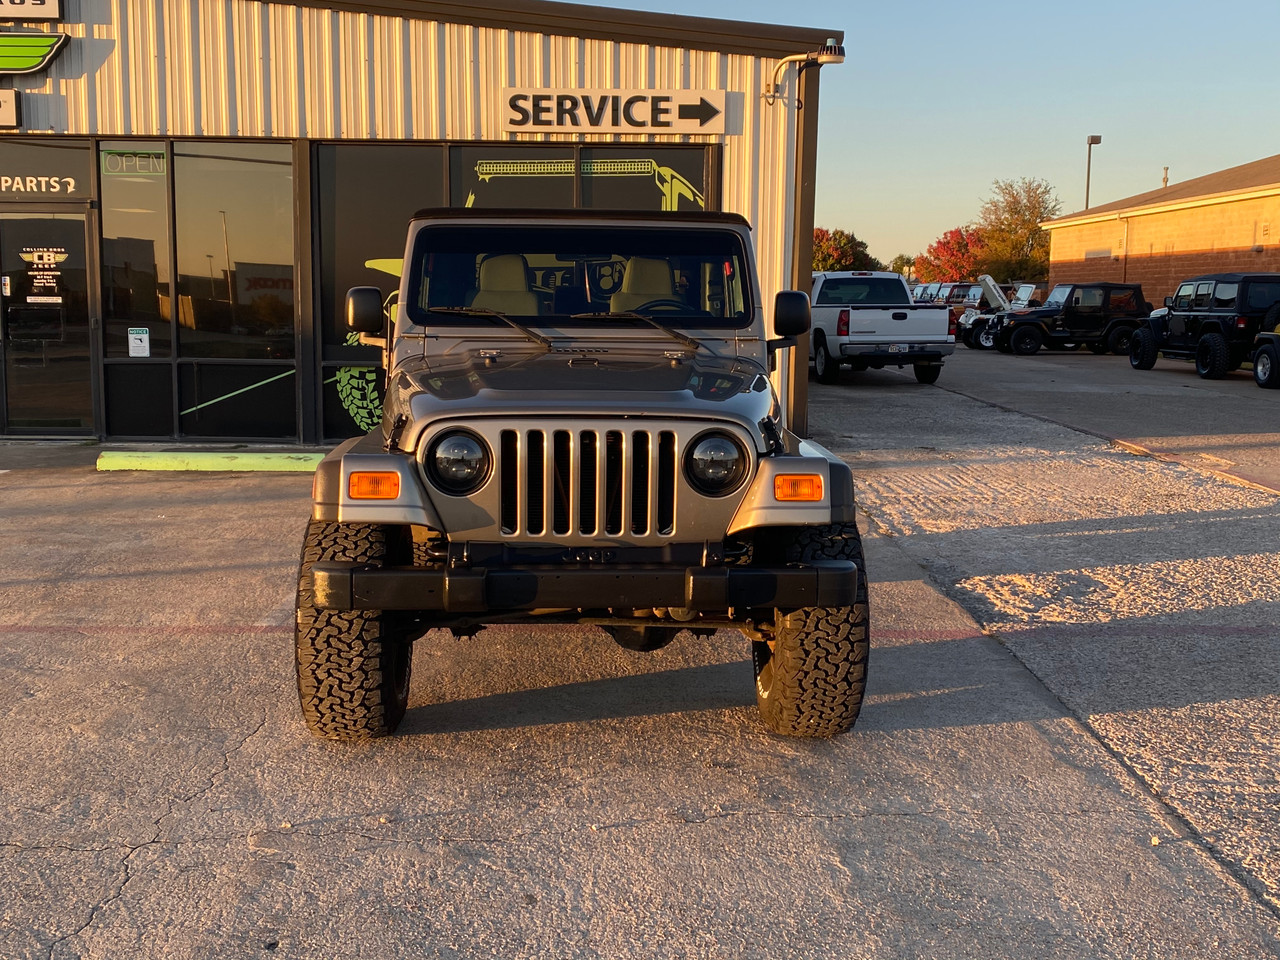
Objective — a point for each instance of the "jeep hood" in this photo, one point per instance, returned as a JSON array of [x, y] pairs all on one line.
[[579, 384]]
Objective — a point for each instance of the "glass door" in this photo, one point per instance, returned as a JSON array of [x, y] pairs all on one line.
[[46, 386]]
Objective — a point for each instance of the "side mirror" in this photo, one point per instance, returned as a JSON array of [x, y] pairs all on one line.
[[364, 310], [790, 313], [1168, 301]]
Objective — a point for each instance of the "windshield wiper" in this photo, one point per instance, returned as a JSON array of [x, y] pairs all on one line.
[[687, 340], [485, 312]]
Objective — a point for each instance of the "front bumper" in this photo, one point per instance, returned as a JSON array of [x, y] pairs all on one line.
[[475, 590]]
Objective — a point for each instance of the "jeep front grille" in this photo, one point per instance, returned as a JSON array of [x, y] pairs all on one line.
[[561, 482]]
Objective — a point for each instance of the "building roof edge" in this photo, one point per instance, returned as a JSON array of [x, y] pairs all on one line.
[[600, 23]]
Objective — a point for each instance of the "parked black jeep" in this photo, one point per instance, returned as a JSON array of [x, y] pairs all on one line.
[[1212, 320], [1101, 316], [1266, 360]]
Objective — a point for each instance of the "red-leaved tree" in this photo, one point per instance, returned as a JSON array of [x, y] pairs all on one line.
[[953, 256]]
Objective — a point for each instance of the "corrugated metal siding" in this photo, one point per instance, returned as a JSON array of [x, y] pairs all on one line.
[[242, 68]]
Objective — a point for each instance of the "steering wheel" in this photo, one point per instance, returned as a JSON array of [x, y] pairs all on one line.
[[664, 303]]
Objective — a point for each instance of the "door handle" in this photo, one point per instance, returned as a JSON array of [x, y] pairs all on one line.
[[899, 316]]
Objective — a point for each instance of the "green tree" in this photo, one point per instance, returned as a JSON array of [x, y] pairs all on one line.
[[837, 250], [905, 264], [1014, 246]]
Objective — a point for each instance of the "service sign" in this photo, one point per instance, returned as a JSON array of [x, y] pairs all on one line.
[[526, 110], [11, 10]]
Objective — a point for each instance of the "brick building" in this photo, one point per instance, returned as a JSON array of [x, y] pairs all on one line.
[[1225, 221]]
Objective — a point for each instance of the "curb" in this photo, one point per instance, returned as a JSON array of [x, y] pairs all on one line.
[[204, 461]]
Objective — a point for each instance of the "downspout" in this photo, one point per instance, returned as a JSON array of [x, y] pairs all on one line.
[[806, 172], [1124, 264]]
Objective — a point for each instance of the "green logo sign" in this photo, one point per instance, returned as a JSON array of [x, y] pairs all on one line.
[[29, 52]]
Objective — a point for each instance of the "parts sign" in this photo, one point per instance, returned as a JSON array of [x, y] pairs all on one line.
[[612, 111]]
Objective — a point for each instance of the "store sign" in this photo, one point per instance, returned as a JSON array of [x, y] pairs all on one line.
[[10, 114], [30, 9], [612, 111], [22, 53], [63, 186], [133, 163], [43, 272]]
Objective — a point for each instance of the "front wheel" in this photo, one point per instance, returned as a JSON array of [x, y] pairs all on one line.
[[1025, 341], [352, 665], [985, 338], [1213, 359], [1265, 372], [1142, 349], [812, 673], [927, 372], [825, 367]]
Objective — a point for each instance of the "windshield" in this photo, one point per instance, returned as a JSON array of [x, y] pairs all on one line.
[[1024, 294], [1058, 295], [581, 276], [862, 290]]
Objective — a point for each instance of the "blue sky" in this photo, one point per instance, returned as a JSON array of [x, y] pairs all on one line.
[[935, 100]]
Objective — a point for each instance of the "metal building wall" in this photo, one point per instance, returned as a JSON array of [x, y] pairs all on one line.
[[242, 68]]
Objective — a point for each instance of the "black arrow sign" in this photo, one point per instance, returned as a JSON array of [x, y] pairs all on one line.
[[702, 111]]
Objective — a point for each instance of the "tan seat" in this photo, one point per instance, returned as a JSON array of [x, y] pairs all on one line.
[[644, 280], [504, 286]]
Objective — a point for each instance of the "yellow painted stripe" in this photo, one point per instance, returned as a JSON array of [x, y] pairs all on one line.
[[202, 460]]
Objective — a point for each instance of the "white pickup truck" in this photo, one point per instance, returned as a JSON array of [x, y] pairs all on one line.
[[867, 319]]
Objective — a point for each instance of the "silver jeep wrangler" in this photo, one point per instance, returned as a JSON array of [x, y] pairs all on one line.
[[579, 427]]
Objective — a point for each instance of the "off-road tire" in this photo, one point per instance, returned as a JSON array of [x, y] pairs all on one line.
[[1024, 341], [352, 665], [811, 676], [825, 367], [1266, 373], [1271, 319], [1142, 349], [984, 338], [927, 372], [1118, 341], [1213, 359]]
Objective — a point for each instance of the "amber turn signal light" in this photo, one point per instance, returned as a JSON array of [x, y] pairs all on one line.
[[374, 486], [797, 486]]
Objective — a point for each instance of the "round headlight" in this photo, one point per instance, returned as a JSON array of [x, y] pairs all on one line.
[[716, 464], [458, 463]]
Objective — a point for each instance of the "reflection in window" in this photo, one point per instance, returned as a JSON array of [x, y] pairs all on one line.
[[363, 216], [234, 225], [1263, 294], [136, 292], [1224, 295], [1124, 300]]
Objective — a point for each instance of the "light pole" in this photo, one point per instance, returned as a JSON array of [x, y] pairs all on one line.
[[1088, 165]]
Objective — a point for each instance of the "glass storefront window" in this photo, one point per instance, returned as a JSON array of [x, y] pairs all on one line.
[[518, 176], [234, 221], [237, 400], [643, 177], [136, 252], [363, 217]]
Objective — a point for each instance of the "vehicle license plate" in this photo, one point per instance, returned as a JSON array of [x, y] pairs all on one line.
[[899, 347]]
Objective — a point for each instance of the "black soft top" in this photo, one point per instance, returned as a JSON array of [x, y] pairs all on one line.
[[631, 216], [1233, 277]]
